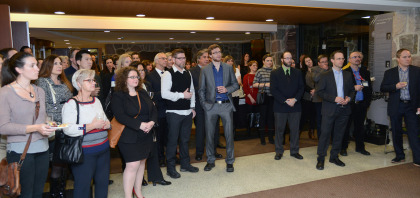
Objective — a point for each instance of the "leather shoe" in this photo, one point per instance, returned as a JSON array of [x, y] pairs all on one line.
[[363, 152], [173, 174], [337, 162], [162, 163], [198, 157], [343, 152], [229, 168], [209, 166], [278, 156], [220, 145], [162, 182], [190, 168], [218, 155], [297, 156], [144, 183], [398, 160], [320, 165]]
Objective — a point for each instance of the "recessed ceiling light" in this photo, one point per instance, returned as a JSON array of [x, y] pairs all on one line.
[[66, 40], [140, 15], [68, 43], [210, 18], [366, 17], [107, 31], [119, 38], [269, 20], [89, 50], [192, 32], [133, 42], [178, 42], [171, 38], [59, 12], [217, 39], [247, 32]]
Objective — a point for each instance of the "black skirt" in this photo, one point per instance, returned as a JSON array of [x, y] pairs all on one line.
[[140, 150]]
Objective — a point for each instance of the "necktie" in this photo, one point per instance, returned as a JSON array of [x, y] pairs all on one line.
[[287, 73], [161, 72]]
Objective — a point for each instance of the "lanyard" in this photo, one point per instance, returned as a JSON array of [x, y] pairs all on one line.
[[360, 77]]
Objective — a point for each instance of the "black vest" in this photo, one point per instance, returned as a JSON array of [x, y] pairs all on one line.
[[180, 82]]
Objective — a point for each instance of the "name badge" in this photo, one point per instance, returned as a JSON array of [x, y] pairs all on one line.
[[365, 83]]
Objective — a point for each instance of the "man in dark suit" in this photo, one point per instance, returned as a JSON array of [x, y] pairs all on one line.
[[336, 89], [217, 83], [403, 85], [314, 78], [154, 77], [360, 104], [287, 90]]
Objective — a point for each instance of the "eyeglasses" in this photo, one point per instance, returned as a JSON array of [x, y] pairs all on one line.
[[181, 58], [134, 77], [354, 57], [90, 80]]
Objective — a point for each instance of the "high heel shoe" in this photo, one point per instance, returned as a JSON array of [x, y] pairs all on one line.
[[162, 182], [144, 183], [134, 194]]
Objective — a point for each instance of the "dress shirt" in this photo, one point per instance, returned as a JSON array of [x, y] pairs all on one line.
[[160, 72], [166, 85], [338, 75], [286, 70], [358, 78], [405, 93], [218, 80]]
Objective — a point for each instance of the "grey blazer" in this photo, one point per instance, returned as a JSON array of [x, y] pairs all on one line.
[[207, 86]]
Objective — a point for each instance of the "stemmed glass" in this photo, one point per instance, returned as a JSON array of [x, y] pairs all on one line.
[[151, 94]]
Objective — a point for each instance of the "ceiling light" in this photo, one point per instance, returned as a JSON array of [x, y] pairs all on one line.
[[210, 18], [217, 39], [192, 32], [59, 12], [68, 43], [178, 42], [107, 31], [66, 40], [133, 42], [269, 20], [140, 15], [171, 38], [119, 38], [366, 17], [247, 32]]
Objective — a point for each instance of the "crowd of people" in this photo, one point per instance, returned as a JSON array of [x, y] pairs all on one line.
[[158, 101]]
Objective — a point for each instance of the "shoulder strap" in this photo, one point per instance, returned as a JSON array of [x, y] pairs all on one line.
[[28, 142], [138, 99], [77, 108]]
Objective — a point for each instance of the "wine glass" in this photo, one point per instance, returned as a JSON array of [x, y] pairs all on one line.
[[151, 94]]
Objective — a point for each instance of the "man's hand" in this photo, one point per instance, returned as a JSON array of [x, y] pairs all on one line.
[[358, 87], [187, 94], [194, 113], [401, 85], [221, 89], [291, 102], [339, 100], [312, 92]]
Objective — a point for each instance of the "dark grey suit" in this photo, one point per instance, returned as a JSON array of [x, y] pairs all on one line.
[[207, 95]]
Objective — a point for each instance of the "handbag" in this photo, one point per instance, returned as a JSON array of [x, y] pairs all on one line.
[[71, 150], [117, 128], [10, 173], [261, 96]]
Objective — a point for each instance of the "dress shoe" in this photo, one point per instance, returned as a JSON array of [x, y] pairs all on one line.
[[363, 152], [190, 168], [337, 162], [173, 174], [278, 156], [297, 156], [416, 164], [398, 159], [218, 155], [162, 182], [209, 166], [343, 152], [320, 165], [144, 183], [110, 182], [229, 168], [162, 163], [220, 145], [198, 157]]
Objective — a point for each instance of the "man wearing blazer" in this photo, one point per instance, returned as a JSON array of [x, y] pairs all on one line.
[[154, 77], [360, 104], [403, 85], [336, 89], [287, 89], [217, 83]]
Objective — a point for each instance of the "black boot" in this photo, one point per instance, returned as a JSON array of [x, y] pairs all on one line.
[[55, 191], [262, 136]]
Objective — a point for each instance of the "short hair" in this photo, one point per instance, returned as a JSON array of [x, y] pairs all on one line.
[[201, 52], [266, 56], [252, 62], [135, 53], [321, 56], [121, 77], [175, 52], [361, 54], [72, 50], [282, 55], [212, 47], [332, 56], [157, 57], [22, 49], [398, 54], [80, 53], [5, 52], [81, 75], [121, 60]]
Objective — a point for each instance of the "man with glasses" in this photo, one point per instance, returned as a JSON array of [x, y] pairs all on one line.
[[316, 75], [154, 77], [360, 104], [336, 89], [178, 90], [217, 83], [83, 59], [403, 85]]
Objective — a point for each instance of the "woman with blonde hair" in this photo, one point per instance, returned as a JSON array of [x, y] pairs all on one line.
[[123, 61]]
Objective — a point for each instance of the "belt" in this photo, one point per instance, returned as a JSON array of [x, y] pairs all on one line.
[[405, 101], [221, 102]]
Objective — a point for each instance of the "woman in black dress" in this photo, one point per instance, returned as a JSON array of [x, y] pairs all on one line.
[[133, 108]]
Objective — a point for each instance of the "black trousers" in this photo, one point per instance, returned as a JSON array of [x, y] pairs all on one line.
[[358, 116], [308, 114], [179, 127], [162, 137], [267, 114], [153, 169], [318, 108]]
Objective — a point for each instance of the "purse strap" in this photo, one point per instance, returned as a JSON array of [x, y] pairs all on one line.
[[138, 99], [77, 109], [28, 142]]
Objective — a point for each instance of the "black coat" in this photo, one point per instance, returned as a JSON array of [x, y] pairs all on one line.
[[154, 79], [367, 91], [195, 73], [283, 88]]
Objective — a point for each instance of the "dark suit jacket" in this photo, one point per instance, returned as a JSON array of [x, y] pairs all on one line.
[[154, 79], [122, 107], [195, 73], [207, 86], [367, 91], [327, 90], [391, 78], [281, 88]]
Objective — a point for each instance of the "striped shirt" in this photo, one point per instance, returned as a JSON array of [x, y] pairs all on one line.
[[263, 76], [404, 93]]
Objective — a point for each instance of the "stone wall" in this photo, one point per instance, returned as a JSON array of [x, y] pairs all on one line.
[[283, 40], [406, 32]]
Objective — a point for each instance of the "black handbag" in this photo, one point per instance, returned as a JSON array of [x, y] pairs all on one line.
[[70, 150], [261, 95]]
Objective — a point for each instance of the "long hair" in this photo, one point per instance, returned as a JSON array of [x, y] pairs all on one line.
[[121, 79], [8, 71], [47, 67], [304, 66], [229, 57], [243, 59]]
